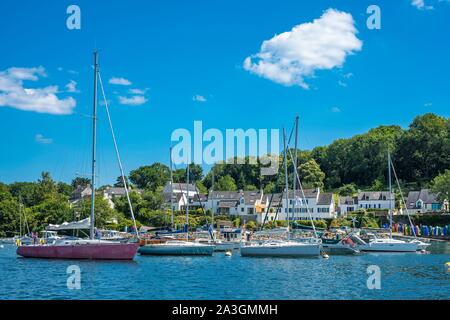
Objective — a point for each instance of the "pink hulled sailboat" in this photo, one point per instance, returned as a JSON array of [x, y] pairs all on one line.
[[88, 248]]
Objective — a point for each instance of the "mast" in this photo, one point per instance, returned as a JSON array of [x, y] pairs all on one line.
[[390, 193], [286, 179], [171, 189], [187, 202], [94, 144], [212, 201], [294, 185]]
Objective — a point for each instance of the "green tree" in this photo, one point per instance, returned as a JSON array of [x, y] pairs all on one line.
[[226, 183], [441, 185], [347, 190], [311, 175], [80, 182], [150, 177], [119, 182]]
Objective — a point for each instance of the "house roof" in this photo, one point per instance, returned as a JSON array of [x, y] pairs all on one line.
[[375, 195], [250, 197], [325, 198], [425, 195], [348, 200], [227, 204], [181, 186]]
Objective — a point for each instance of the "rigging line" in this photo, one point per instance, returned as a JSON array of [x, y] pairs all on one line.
[[403, 199], [273, 194], [279, 173], [118, 155], [304, 198]]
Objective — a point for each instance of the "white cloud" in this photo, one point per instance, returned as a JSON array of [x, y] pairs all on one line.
[[120, 81], [428, 104], [420, 4], [133, 101], [198, 98], [44, 100], [138, 91], [335, 109], [72, 86], [39, 138], [290, 57]]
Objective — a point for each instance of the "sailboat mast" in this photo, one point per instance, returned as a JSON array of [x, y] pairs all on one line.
[[94, 145], [390, 193], [171, 190], [286, 179], [187, 201], [294, 184]]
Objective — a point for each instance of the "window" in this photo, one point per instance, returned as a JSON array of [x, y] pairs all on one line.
[[242, 209]]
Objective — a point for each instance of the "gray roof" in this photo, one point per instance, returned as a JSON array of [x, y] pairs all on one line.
[[249, 196], [325, 198], [348, 200], [425, 195], [181, 186], [309, 193], [375, 195], [227, 204]]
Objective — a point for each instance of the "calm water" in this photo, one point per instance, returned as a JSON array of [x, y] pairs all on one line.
[[404, 276]]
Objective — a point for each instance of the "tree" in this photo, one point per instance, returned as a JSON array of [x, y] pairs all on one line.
[[226, 183], [310, 175], [119, 182], [441, 186], [80, 182], [347, 190], [150, 177]]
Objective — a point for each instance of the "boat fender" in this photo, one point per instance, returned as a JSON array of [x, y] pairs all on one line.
[[18, 242], [41, 241]]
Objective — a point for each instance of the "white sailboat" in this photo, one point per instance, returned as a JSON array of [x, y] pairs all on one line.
[[178, 247], [378, 244], [283, 248]]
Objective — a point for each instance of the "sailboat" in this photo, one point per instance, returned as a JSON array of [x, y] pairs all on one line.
[[283, 248], [389, 244], [178, 247], [87, 248]]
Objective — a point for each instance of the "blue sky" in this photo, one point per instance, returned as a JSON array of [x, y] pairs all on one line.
[[172, 51]]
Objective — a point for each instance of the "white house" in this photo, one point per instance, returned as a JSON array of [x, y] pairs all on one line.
[[240, 202], [347, 204], [424, 201], [318, 205], [180, 188], [376, 200], [111, 193]]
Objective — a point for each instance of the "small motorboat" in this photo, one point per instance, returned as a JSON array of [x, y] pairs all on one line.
[[177, 247]]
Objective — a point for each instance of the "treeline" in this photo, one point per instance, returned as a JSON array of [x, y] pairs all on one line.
[[421, 155]]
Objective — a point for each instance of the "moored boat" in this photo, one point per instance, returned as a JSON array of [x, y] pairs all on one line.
[[275, 248], [176, 247]]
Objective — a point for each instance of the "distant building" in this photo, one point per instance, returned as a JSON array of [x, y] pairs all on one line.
[[347, 204], [111, 193], [180, 188], [424, 201], [80, 192], [314, 204], [376, 200], [242, 203]]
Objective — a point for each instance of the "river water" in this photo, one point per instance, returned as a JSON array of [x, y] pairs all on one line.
[[402, 276]]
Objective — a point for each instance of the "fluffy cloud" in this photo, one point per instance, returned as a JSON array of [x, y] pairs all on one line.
[[138, 91], [132, 101], [335, 109], [72, 86], [198, 98], [292, 56], [44, 100], [420, 4], [39, 138], [120, 81]]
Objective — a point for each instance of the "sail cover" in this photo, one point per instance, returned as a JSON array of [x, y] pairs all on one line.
[[74, 225]]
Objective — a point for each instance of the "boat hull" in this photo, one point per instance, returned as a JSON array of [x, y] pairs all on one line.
[[339, 249], [306, 250], [162, 249], [386, 247], [109, 251]]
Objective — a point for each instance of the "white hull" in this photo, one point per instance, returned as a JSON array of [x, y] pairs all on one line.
[[389, 247], [177, 248], [281, 249]]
